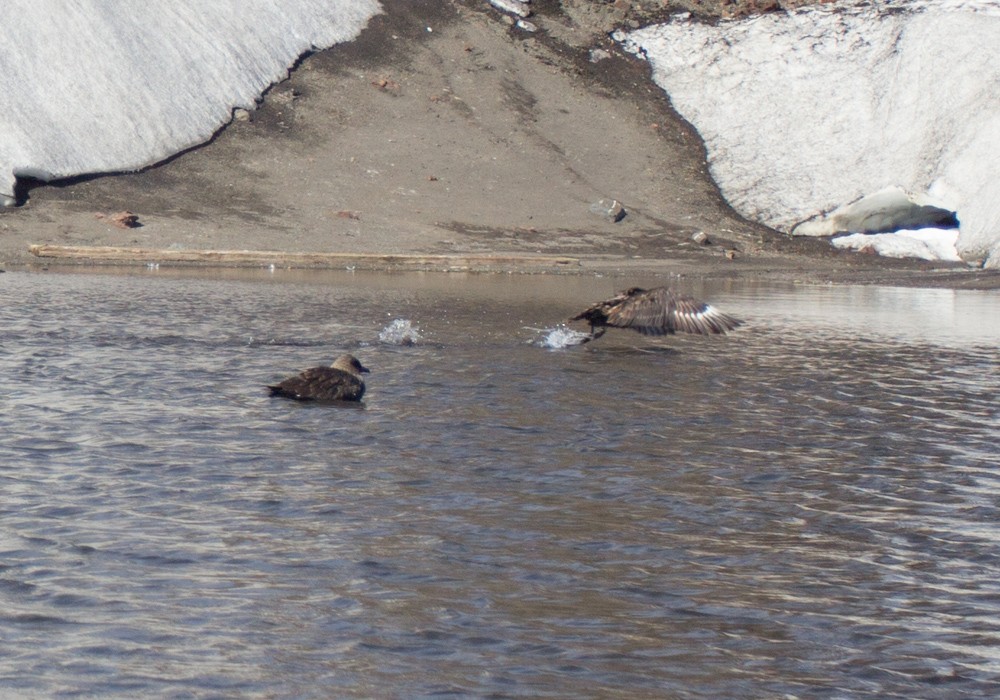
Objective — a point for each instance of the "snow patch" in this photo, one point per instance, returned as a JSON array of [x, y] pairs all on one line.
[[891, 209], [517, 7], [806, 111], [924, 244], [110, 85]]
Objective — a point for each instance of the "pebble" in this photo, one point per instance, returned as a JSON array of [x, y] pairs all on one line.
[[610, 209]]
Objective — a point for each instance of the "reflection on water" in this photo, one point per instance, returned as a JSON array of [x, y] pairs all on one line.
[[804, 508]]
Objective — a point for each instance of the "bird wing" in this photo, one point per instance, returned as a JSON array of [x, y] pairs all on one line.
[[695, 316], [649, 312], [321, 384], [597, 314], [660, 311]]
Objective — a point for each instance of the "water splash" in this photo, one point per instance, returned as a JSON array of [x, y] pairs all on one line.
[[400, 332], [560, 337]]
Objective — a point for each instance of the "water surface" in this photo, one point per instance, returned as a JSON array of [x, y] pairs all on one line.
[[805, 508]]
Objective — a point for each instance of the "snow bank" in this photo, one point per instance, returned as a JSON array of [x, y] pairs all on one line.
[[924, 244], [806, 111], [108, 85], [890, 209]]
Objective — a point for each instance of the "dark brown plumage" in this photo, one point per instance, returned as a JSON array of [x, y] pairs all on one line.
[[339, 382], [658, 311]]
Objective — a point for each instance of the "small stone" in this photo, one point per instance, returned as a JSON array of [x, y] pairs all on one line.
[[610, 209], [701, 238], [517, 7], [125, 219], [387, 84]]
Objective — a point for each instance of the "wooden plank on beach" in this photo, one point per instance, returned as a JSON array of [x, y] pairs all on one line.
[[265, 258]]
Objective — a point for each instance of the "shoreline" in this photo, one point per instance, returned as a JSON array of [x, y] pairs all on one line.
[[621, 267], [444, 131]]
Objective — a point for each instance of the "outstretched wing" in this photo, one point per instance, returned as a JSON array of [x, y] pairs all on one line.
[[695, 316], [648, 312], [660, 311]]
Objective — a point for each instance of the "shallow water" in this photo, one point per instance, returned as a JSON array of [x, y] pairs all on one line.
[[805, 508]]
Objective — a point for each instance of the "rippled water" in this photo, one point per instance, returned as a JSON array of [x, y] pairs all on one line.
[[809, 507]]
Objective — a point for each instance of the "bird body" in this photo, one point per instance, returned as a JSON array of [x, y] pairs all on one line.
[[339, 382], [657, 311]]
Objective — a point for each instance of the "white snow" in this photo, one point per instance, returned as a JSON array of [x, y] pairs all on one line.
[[517, 7], [807, 111], [110, 85], [925, 243]]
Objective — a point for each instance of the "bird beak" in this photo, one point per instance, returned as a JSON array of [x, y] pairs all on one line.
[[365, 370]]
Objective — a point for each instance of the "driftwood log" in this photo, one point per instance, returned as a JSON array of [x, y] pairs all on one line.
[[266, 258]]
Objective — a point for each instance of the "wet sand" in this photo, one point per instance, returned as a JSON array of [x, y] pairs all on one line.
[[443, 130]]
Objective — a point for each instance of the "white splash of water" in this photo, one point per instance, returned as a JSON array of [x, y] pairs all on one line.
[[400, 332], [560, 337]]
